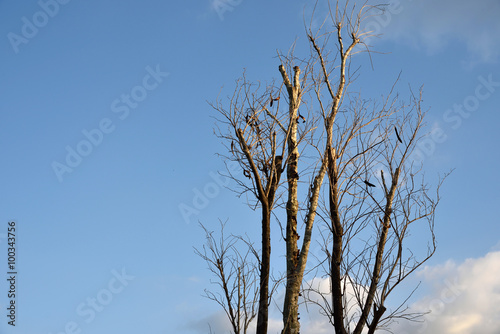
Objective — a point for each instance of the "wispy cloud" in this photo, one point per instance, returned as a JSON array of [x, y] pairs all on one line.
[[212, 323], [465, 298], [433, 25]]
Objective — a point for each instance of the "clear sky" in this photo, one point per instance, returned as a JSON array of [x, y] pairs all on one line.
[[105, 133]]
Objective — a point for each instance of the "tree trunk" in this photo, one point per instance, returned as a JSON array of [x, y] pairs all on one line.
[[336, 256], [377, 267], [262, 317], [291, 323]]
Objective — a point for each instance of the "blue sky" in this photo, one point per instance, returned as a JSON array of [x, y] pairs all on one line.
[[135, 77]]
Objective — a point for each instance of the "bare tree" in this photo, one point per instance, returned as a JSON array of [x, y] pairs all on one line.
[[327, 130], [236, 276], [369, 213], [263, 140], [253, 142], [360, 144]]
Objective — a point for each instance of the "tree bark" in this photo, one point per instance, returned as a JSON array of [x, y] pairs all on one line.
[[263, 314], [291, 323], [336, 255]]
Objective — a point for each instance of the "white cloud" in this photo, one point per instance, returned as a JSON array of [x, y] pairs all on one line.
[[465, 298], [462, 298], [433, 25]]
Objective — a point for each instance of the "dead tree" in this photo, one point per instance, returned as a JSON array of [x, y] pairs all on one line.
[[361, 144], [319, 78], [296, 257], [367, 227], [348, 139], [257, 137], [236, 276]]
